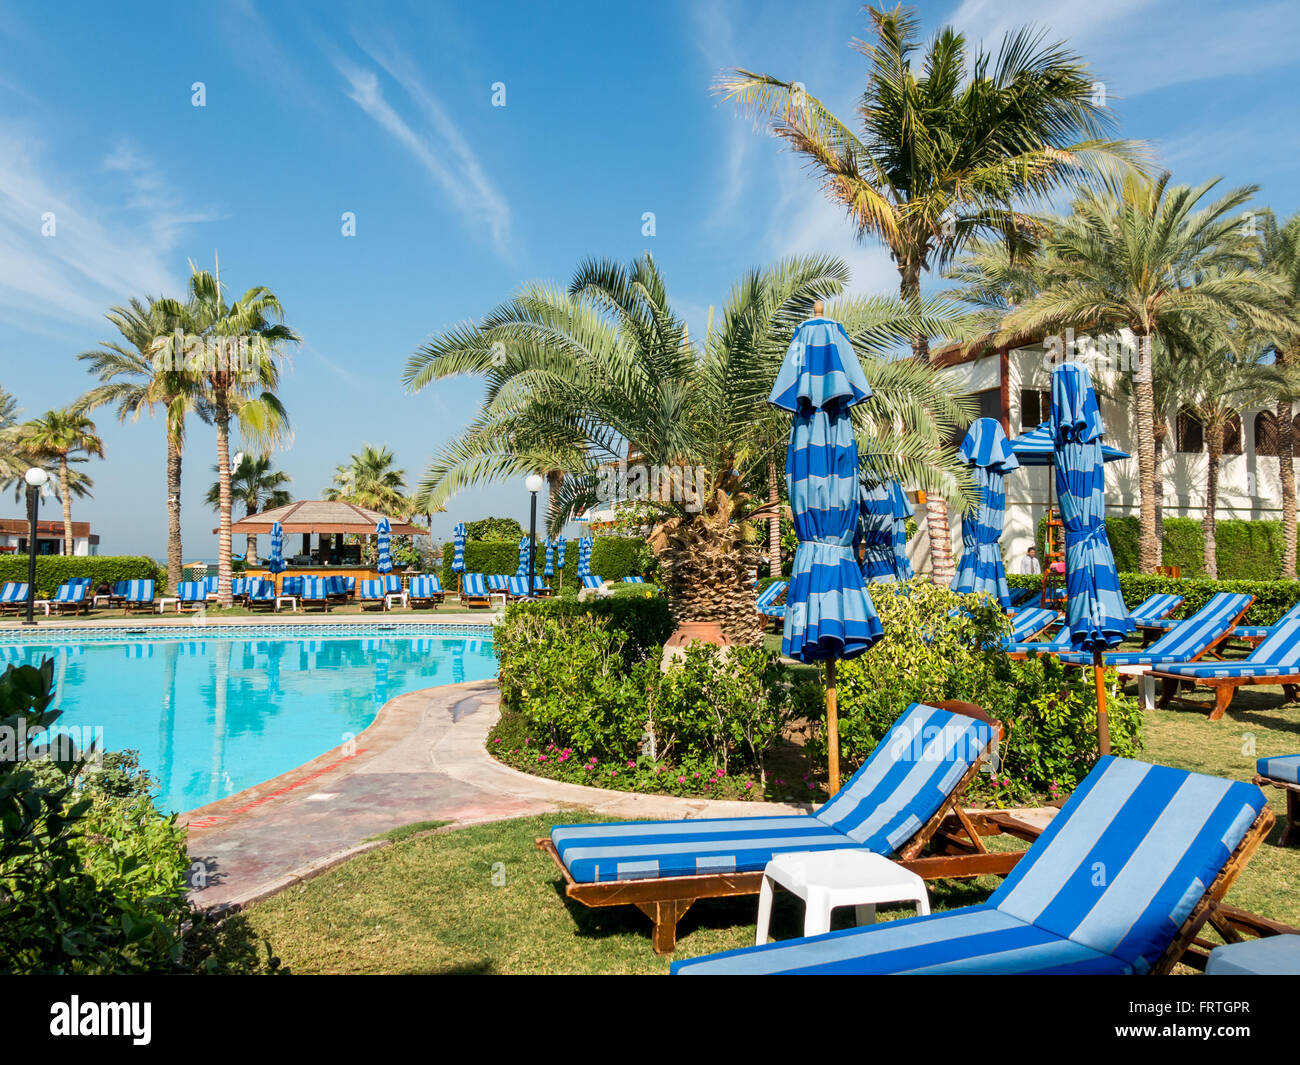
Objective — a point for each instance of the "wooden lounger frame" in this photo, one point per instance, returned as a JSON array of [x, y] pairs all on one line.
[[955, 837], [1292, 829], [1224, 687]]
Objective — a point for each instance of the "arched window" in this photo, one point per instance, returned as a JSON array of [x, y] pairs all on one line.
[[1189, 434], [1232, 436], [1266, 433]]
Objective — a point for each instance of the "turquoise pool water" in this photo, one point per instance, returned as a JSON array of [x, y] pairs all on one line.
[[211, 717]]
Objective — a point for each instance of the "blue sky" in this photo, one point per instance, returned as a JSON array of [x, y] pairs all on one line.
[[385, 110]]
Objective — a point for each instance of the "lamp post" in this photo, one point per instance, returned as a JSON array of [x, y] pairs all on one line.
[[36, 479], [534, 485]]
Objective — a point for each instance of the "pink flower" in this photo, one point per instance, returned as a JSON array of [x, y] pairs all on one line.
[[696, 775], [681, 780], [541, 758], [613, 772], [497, 740], [631, 764], [748, 784]]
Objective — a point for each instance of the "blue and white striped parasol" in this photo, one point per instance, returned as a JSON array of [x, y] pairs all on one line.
[[384, 532], [987, 451]]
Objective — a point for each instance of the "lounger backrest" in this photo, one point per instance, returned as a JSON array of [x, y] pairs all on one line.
[[189, 591], [211, 584], [592, 581], [291, 586], [1155, 607], [517, 585], [473, 584], [370, 589], [771, 594], [85, 582], [424, 587], [138, 591], [73, 591], [260, 588], [634, 580], [433, 584], [350, 584], [1026, 623], [335, 586], [1281, 647], [119, 587], [913, 769], [314, 588], [498, 582], [13, 592], [1129, 856], [1192, 636], [392, 583]]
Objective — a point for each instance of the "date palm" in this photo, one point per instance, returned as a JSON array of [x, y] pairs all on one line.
[[587, 378], [1161, 261], [370, 480], [134, 383], [257, 487], [12, 464], [59, 437], [234, 352], [1280, 254]]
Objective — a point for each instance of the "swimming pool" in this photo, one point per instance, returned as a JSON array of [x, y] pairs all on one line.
[[213, 716]]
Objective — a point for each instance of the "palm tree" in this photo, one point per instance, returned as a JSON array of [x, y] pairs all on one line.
[[255, 485], [12, 461], [369, 480], [134, 382], [946, 154], [1280, 254], [1214, 384], [581, 379], [1158, 261], [234, 351], [54, 437]]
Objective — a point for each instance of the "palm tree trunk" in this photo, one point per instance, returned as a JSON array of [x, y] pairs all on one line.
[[1161, 432], [174, 553], [67, 504], [1210, 549], [1148, 542], [774, 522], [222, 419], [250, 552], [1286, 474]]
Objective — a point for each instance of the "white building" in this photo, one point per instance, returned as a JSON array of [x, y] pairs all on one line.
[[49, 537], [1012, 385]]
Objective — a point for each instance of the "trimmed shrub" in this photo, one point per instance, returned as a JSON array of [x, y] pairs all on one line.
[[646, 623], [494, 529], [53, 570], [616, 557]]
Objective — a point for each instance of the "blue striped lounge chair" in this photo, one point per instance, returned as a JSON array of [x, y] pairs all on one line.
[[1283, 772], [893, 805], [260, 593], [517, 588], [1028, 623], [1275, 661], [1022, 597], [291, 586], [1170, 844], [239, 589], [336, 588], [767, 603], [315, 592], [13, 596], [210, 586], [634, 580], [138, 594], [592, 581], [474, 590], [370, 593], [540, 587], [1254, 635], [498, 582], [350, 586], [1019, 650], [426, 591], [117, 594], [1187, 641], [191, 595], [73, 596]]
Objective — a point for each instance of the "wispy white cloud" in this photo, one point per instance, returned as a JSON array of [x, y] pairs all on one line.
[[432, 138]]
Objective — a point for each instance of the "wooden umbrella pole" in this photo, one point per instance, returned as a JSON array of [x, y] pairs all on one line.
[[832, 729], [1103, 725]]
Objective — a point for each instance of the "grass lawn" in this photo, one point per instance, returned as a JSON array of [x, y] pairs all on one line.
[[483, 899]]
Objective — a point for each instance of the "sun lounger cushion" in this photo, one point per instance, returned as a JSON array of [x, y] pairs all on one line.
[[1155, 607], [911, 772], [1186, 640], [138, 591], [1026, 623], [473, 586], [191, 591], [261, 589], [517, 586], [315, 588], [1060, 642], [1286, 767], [592, 581], [634, 580], [1105, 888], [1277, 656], [13, 592], [370, 591], [768, 597], [425, 587]]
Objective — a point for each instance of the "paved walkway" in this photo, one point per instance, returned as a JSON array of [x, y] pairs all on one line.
[[423, 759]]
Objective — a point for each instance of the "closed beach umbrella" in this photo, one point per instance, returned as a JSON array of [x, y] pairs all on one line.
[[1095, 610], [829, 614], [987, 451], [522, 570], [276, 564], [584, 557], [559, 552], [383, 530], [458, 548], [885, 511], [549, 569]]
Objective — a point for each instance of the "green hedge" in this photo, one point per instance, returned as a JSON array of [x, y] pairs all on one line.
[[1272, 598], [612, 557], [53, 570], [1247, 550], [647, 622]]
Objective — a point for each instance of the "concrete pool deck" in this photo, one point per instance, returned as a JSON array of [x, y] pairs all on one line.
[[423, 759]]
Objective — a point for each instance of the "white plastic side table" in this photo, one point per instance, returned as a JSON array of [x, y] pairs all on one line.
[[394, 597], [827, 880], [292, 600], [163, 603]]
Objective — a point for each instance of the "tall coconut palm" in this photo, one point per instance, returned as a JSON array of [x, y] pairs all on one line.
[[12, 463], [134, 382], [946, 153], [370, 480], [584, 376], [234, 351], [1215, 383], [1158, 260], [59, 436], [257, 487], [1280, 254]]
